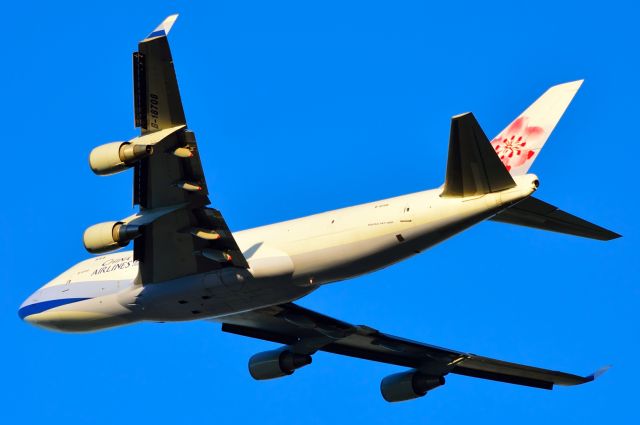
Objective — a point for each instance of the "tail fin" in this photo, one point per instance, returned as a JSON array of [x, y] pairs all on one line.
[[518, 145], [535, 213], [473, 168]]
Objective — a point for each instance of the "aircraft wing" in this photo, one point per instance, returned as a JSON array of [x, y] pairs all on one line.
[[306, 332], [180, 236]]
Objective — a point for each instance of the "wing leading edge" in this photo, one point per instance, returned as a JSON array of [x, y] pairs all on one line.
[[306, 332]]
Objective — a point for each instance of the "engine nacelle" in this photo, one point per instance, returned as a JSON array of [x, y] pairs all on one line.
[[109, 236], [408, 385], [114, 157], [276, 363]]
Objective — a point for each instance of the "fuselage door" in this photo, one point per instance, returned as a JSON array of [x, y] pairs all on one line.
[[406, 215]]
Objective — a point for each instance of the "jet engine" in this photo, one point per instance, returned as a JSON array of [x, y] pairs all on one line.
[[408, 385], [109, 236], [276, 363], [112, 158]]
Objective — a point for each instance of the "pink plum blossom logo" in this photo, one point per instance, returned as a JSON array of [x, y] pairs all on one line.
[[515, 145]]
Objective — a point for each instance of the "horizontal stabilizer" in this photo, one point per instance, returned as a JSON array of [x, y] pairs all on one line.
[[535, 213], [473, 167]]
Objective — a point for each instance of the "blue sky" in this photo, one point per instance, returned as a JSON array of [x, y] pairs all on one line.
[[305, 108]]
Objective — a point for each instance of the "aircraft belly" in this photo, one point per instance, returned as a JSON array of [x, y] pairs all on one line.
[[215, 294]]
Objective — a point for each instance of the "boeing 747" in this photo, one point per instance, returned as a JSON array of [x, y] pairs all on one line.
[[186, 264]]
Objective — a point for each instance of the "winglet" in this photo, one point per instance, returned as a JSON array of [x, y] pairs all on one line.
[[598, 373], [163, 29]]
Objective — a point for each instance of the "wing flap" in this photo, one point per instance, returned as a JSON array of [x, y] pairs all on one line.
[[169, 249]]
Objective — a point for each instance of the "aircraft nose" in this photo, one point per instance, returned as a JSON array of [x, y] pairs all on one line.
[[26, 309], [35, 313], [34, 310], [42, 310], [29, 319]]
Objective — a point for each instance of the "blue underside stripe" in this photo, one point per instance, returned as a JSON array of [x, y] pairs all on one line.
[[46, 305]]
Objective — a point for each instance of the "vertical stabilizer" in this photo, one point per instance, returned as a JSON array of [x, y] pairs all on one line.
[[473, 168], [518, 145]]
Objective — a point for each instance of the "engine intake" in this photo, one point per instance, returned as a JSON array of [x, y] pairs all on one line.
[[112, 158], [109, 236], [408, 385], [276, 363]]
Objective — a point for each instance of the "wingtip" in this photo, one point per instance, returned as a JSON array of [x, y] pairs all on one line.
[[598, 373], [165, 26], [169, 21], [614, 235], [608, 235]]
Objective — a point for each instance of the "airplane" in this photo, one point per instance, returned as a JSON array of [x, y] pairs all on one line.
[[186, 264]]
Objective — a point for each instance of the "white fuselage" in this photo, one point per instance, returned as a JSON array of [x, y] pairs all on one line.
[[287, 261]]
